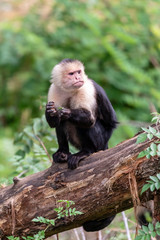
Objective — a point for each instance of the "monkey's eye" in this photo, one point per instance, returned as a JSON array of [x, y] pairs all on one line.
[[71, 73], [79, 71]]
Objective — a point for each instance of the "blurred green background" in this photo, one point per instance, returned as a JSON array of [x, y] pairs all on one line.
[[117, 40]]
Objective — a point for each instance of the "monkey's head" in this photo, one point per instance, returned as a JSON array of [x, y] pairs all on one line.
[[69, 75]]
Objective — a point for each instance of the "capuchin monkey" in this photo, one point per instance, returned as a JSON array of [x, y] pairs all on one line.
[[80, 111]]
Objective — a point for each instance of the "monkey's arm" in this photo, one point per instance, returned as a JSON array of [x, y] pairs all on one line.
[[80, 117]]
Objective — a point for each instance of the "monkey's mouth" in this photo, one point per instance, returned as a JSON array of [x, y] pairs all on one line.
[[78, 84]]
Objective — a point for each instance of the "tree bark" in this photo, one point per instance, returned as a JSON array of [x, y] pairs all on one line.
[[104, 184]]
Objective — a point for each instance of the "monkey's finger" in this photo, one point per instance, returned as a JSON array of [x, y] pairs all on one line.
[[50, 107], [51, 102], [51, 111]]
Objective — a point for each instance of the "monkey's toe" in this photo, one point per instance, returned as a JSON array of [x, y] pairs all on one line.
[[73, 162]]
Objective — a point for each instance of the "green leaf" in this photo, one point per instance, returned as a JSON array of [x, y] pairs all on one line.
[[145, 188], [145, 130], [152, 188], [157, 135], [153, 153], [154, 119], [78, 213], [157, 185], [142, 154], [153, 234], [158, 232], [20, 153], [139, 237], [157, 225], [154, 178], [148, 237], [141, 232], [149, 136], [158, 175], [141, 138], [148, 156], [150, 181], [151, 227], [145, 229], [40, 235], [153, 147], [152, 130]]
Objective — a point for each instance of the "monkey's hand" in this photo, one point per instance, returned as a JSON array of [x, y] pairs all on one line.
[[51, 109], [64, 113]]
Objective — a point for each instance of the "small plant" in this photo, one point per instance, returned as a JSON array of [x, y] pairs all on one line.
[[66, 211], [152, 184], [62, 212], [147, 232], [150, 231], [150, 132]]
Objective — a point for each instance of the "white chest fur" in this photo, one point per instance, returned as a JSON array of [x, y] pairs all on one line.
[[84, 97]]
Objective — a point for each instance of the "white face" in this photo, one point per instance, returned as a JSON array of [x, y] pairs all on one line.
[[73, 79]]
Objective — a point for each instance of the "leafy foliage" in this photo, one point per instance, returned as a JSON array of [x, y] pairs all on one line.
[[118, 41], [62, 212], [152, 184], [150, 132], [147, 232], [32, 155]]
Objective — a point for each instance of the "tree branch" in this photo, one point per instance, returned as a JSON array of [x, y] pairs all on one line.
[[100, 187]]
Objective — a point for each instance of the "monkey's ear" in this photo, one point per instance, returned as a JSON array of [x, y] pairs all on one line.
[[57, 74]]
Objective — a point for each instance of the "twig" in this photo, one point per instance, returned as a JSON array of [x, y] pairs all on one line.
[[17, 178], [99, 235], [126, 225], [42, 144], [57, 235], [76, 233], [83, 234]]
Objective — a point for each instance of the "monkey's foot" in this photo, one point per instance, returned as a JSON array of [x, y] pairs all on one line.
[[74, 159], [60, 157]]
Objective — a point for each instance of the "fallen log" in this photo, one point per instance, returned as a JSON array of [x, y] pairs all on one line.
[[101, 186]]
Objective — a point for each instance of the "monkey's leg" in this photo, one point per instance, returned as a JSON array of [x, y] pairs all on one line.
[[62, 153]]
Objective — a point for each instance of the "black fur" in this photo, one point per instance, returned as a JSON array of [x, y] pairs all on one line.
[[97, 224]]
